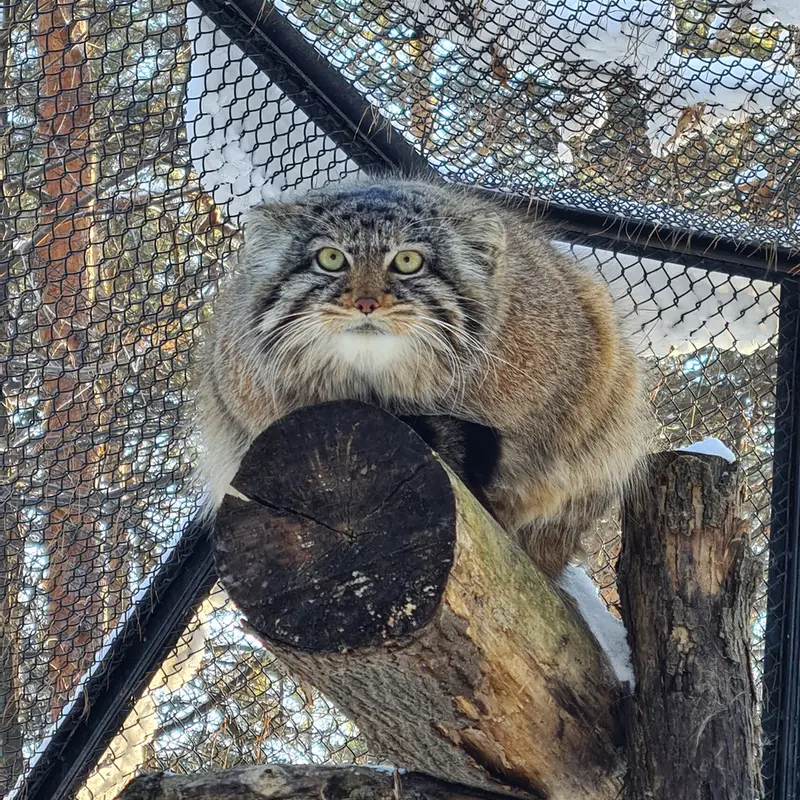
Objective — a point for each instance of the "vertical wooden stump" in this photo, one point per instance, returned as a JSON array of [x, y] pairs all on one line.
[[686, 581]]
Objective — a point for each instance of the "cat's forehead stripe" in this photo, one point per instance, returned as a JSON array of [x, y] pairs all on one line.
[[384, 202]]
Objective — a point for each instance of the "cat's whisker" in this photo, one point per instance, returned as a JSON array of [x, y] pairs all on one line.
[[457, 373], [471, 341], [298, 339], [283, 317], [471, 344], [276, 333], [290, 334], [251, 336], [281, 337]]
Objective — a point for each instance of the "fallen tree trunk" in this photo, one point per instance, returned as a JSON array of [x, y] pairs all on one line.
[[281, 782], [686, 581], [370, 571]]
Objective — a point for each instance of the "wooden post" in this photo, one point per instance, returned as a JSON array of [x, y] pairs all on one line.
[[370, 571], [281, 782], [686, 581]]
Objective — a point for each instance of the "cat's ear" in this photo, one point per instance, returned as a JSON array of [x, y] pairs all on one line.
[[269, 230], [270, 221], [269, 212], [487, 232]]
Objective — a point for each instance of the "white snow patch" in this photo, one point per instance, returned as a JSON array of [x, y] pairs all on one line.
[[727, 87], [246, 139], [727, 83], [669, 309], [385, 768], [786, 12], [710, 447], [606, 628], [564, 153], [634, 33], [751, 176]]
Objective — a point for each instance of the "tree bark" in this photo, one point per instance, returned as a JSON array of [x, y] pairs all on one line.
[[370, 571], [11, 544], [66, 260], [686, 581], [278, 782]]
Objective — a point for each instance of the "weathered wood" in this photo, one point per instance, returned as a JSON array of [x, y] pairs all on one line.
[[281, 782], [371, 572], [686, 580]]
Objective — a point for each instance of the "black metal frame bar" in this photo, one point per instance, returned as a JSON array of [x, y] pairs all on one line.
[[147, 638], [341, 112], [781, 715]]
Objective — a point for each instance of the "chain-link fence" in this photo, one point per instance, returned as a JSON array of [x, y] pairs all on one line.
[[135, 132]]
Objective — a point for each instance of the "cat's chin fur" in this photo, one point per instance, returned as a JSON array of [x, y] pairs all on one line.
[[369, 352]]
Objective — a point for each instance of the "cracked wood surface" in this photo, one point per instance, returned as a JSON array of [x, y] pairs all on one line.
[[371, 572], [283, 782], [686, 581]]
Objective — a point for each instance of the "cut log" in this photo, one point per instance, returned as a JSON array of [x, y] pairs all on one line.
[[368, 569], [686, 581], [281, 782]]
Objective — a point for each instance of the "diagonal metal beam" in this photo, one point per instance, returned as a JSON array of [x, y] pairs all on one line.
[[148, 634]]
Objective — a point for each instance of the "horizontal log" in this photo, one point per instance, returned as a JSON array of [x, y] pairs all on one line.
[[686, 582], [366, 566], [283, 782]]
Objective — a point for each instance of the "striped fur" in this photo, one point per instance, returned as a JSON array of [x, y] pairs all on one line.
[[497, 330]]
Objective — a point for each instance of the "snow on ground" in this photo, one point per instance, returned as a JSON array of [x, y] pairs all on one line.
[[607, 629]]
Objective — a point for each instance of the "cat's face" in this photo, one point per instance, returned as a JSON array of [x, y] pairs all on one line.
[[373, 279]]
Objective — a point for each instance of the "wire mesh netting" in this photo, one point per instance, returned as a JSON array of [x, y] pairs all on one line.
[[682, 112], [134, 133]]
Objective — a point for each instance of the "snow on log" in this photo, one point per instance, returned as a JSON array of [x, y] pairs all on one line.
[[366, 566], [686, 581]]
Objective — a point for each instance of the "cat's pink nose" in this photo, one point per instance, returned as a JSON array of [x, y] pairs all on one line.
[[366, 304]]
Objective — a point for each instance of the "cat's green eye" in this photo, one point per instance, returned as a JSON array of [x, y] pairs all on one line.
[[331, 259], [407, 262]]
